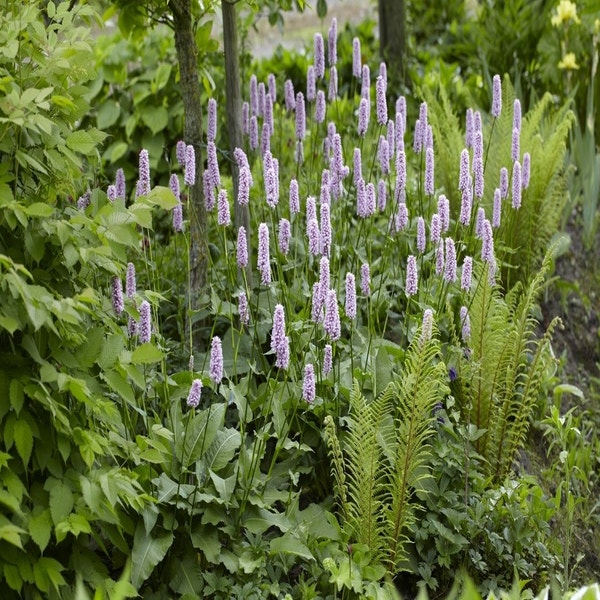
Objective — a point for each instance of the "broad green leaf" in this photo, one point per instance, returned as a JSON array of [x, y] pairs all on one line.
[[108, 114], [35, 245], [47, 571], [161, 77], [38, 209], [223, 448], [40, 528], [200, 432], [163, 197], [146, 354], [23, 440], [155, 118], [12, 577], [147, 552], [16, 395], [74, 524], [61, 501], [258, 520], [10, 533], [187, 578], [82, 142], [112, 347], [288, 544], [118, 151]]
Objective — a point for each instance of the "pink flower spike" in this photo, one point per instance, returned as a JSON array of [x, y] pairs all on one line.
[[467, 273], [294, 197], [412, 282], [216, 361], [497, 210], [350, 296], [189, 176], [264, 261], [242, 248], [284, 236], [326, 234], [443, 208], [526, 170], [311, 84], [332, 91], [117, 296], [363, 117], [314, 237], [193, 399], [381, 102], [253, 95], [320, 107], [280, 343], [496, 96], [327, 360], [450, 256], [290, 96], [356, 58], [487, 245], [145, 325], [439, 257], [300, 117], [331, 322], [365, 279], [211, 129], [180, 152], [243, 311], [130, 282], [516, 185], [308, 385], [421, 239], [503, 185], [319, 56], [435, 228], [429, 181]]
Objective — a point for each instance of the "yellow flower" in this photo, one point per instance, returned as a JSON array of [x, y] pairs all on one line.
[[565, 11], [568, 62]]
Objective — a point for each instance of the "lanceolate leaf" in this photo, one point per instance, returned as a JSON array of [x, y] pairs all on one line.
[[147, 552]]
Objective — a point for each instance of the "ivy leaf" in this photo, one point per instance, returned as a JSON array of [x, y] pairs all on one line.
[[147, 553]]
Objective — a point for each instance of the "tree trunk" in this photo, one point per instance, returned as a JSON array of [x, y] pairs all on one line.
[[392, 40], [185, 46], [233, 105]]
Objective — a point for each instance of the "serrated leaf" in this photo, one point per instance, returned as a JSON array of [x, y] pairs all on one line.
[[23, 440], [38, 209], [147, 552], [61, 501], [146, 354], [9, 532], [40, 528], [82, 142]]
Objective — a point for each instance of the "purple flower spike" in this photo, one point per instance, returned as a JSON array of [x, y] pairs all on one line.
[[180, 152], [174, 186], [325, 237], [371, 204], [526, 170], [381, 195], [178, 217], [450, 266], [350, 296], [463, 179], [365, 279], [331, 322], [391, 138], [443, 208], [357, 163], [427, 326], [435, 228], [479, 219], [268, 121], [253, 132], [130, 283], [332, 91], [120, 184], [143, 184], [401, 168], [327, 360], [421, 238], [465, 324], [401, 217], [487, 245], [497, 211], [418, 138], [332, 43], [318, 303], [356, 58], [503, 185], [478, 173], [467, 273], [290, 96], [242, 248], [294, 197], [469, 128], [383, 155], [311, 84], [412, 282], [216, 361], [284, 236], [516, 144], [300, 117], [516, 185], [465, 207], [244, 184], [145, 327], [272, 87], [314, 237], [320, 107], [189, 176], [209, 192], [132, 328], [224, 216], [363, 117], [280, 343], [263, 260], [193, 399], [361, 199], [117, 296], [429, 162], [243, 309], [211, 129], [308, 385], [381, 102], [365, 84], [311, 209], [496, 96], [319, 56], [517, 114], [261, 99], [111, 193], [245, 118], [253, 95], [212, 164], [439, 257]]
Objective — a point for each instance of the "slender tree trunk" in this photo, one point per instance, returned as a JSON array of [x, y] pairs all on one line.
[[185, 46], [392, 40], [233, 104]]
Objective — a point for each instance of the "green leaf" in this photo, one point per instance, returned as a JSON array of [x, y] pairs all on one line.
[[23, 440], [61, 501], [82, 142], [40, 528], [288, 544], [108, 114], [200, 433], [146, 354], [48, 571], [147, 552], [38, 209], [222, 450], [16, 395], [161, 77], [321, 9], [10, 533], [155, 118], [163, 197], [118, 150]]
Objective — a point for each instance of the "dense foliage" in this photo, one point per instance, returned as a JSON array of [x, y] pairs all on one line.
[[355, 421]]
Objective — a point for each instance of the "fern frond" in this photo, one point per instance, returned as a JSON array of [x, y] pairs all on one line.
[[337, 466], [421, 386]]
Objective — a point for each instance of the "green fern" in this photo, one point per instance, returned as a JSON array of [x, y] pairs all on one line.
[[383, 455]]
